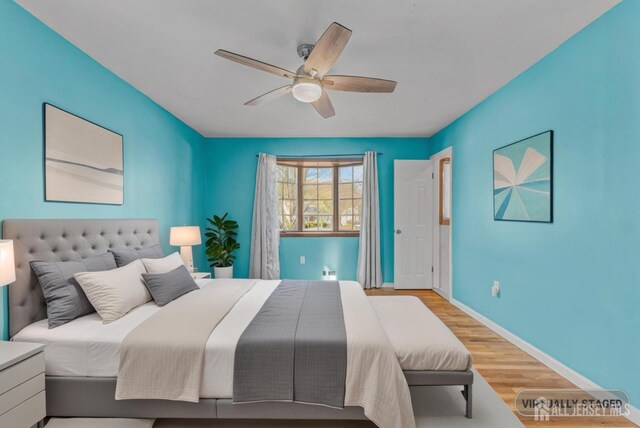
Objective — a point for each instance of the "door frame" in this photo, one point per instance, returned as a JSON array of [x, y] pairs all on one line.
[[435, 158]]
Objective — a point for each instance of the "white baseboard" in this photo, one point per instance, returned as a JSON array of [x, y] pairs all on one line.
[[387, 285], [441, 293], [555, 365]]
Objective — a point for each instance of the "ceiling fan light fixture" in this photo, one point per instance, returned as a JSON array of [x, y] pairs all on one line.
[[307, 90]]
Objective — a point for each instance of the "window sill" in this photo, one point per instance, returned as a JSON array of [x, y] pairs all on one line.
[[319, 234]]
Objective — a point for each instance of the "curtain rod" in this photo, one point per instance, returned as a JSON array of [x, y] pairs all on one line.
[[322, 156]]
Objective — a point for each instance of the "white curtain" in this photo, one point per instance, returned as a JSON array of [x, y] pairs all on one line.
[[369, 263], [265, 233]]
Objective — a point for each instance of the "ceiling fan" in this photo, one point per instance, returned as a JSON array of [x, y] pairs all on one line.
[[311, 79]]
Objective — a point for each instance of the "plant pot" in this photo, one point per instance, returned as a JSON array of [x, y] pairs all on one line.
[[223, 272]]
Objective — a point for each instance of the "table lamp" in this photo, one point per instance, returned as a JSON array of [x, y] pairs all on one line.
[[7, 263], [184, 237]]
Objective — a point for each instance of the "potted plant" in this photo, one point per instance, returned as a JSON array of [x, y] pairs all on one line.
[[220, 245]]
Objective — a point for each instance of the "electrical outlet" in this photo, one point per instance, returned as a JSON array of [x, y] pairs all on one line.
[[303, 260], [495, 290]]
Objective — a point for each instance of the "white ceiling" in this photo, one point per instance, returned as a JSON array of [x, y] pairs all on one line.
[[447, 55]]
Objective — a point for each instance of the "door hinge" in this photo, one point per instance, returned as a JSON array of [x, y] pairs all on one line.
[[431, 269], [433, 175]]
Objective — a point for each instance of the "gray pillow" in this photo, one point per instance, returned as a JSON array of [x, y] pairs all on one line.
[[65, 299], [165, 287], [124, 256]]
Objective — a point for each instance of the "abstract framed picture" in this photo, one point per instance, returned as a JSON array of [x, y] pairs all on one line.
[[523, 180], [83, 162]]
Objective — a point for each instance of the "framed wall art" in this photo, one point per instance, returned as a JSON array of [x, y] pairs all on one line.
[[83, 161], [523, 180]]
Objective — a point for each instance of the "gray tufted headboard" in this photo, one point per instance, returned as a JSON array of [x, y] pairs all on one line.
[[62, 240]]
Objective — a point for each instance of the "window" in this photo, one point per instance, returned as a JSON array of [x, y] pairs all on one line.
[[317, 199], [322, 197], [445, 191], [350, 192], [288, 195]]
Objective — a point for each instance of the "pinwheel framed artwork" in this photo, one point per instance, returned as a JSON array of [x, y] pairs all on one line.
[[523, 180]]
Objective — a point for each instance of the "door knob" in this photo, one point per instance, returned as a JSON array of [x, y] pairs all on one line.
[[398, 231]]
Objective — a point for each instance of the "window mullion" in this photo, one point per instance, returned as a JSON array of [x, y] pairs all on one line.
[[335, 199], [300, 199]]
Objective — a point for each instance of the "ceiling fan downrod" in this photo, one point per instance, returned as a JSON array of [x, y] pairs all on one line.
[[304, 51]]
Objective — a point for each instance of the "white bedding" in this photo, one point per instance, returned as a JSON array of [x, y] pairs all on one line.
[[427, 344], [87, 347]]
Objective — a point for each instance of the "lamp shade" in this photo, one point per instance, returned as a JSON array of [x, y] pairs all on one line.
[[7, 263], [185, 235]]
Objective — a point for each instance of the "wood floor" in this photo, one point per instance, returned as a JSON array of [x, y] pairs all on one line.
[[504, 366]]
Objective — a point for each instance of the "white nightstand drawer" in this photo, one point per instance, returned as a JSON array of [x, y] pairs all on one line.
[[21, 393], [21, 372], [26, 414]]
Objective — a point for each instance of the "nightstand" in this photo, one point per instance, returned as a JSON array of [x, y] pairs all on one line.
[[200, 275], [22, 396]]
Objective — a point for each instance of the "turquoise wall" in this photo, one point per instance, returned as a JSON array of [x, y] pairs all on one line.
[[570, 288], [230, 180], [159, 151]]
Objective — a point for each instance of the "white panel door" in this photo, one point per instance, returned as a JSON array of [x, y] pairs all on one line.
[[413, 224]]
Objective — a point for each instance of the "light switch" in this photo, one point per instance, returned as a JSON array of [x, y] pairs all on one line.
[[495, 290]]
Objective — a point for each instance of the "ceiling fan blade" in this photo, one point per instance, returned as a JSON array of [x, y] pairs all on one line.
[[269, 96], [323, 106], [358, 84], [327, 50], [254, 63]]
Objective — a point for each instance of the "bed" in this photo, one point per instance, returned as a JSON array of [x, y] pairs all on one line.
[[82, 356]]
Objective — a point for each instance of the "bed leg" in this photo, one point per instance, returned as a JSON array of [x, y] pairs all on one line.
[[467, 393]]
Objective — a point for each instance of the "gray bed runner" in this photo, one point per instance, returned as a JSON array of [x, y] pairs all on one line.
[[295, 349]]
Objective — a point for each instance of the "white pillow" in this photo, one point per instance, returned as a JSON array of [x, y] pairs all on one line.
[[115, 292], [163, 265]]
